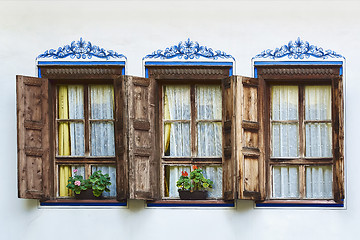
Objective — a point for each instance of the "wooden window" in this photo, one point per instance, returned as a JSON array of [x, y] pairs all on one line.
[[192, 134], [303, 132], [71, 118]]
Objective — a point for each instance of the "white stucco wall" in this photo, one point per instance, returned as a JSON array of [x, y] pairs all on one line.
[[242, 29]]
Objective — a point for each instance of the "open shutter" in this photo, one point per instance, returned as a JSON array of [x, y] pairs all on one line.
[[338, 138], [250, 129], [229, 161], [121, 139], [33, 138], [143, 145]]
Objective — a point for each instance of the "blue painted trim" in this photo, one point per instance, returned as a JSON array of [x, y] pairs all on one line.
[[189, 63], [123, 71], [299, 205], [231, 71], [263, 63], [191, 204], [146, 72], [82, 204], [341, 71], [121, 63], [39, 72], [255, 72]]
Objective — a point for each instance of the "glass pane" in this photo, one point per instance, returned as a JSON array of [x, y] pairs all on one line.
[[71, 139], [318, 139], [66, 171], [71, 102], [209, 139], [214, 173], [318, 103], [177, 139], [285, 140], [102, 139], [111, 170], [172, 175], [285, 182], [209, 102], [319, 182], [177, 102], [284, 103], [102, 101]]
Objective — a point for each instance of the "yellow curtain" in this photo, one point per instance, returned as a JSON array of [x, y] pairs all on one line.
[[64, 141], [167, 126]]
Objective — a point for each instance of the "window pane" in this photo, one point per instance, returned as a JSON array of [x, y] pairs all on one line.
[[111, 170], [177, 102], [209, 102], [209, 139], [214, 173], [318, 103], [318, 139], [285, 182], [284, 103], [172, 175], [285, 140], [66, 171], [177, 139], [102, 139], [71, 134], [319, 182], [102, 101]]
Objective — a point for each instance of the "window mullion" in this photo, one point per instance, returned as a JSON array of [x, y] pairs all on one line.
[[301, 121], [193, 121], [87, 117]]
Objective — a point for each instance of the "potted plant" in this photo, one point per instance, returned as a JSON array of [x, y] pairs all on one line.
[[194, 187], [91, 188]]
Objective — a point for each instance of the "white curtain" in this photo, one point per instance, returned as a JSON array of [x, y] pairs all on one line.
[[209, 107], [319, 182], [80, 170], [214, 173], [111, 170], [318, 108], [285, 182], [178, 100], [175, 173], [76, 111], [284, 107], [102, 132]]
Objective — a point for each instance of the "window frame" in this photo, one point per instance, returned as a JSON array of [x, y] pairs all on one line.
[[303, 73], [185, 73], [85, 74]]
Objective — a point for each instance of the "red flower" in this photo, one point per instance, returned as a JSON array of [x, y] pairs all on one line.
[[195, 167], [184, 174]]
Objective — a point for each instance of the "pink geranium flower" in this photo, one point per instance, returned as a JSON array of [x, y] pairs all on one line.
[[75, 170], [77, 183]]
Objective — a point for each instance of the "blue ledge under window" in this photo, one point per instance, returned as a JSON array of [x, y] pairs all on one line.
[[191, 203], [296, 203], [80, 203]]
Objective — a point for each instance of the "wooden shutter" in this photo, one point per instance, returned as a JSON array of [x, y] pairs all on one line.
[[34, 181], [144, 157], [121, 143], [229, 161], [250, 129], [338, 138]]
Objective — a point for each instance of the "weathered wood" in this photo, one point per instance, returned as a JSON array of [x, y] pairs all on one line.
[[144, 181], [250, 138], [229, 158], [34, 169], [338, 138]]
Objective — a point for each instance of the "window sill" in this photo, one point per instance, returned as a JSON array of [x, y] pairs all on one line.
[[83, 203], [191, 203], [299, 203]]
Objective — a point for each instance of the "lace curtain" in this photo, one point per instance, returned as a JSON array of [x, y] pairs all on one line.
[[319, 182], [102, 132], [209, 107], [284, 108], [318, 108], [285, 182]]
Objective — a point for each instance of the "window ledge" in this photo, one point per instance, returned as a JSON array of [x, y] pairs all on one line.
[[191, 203], [83, 203], [300, 203]]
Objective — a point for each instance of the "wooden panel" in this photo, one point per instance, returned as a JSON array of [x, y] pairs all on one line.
[[250, 102], [251, 139], [33, 138], [251, 174], [144, 160]]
